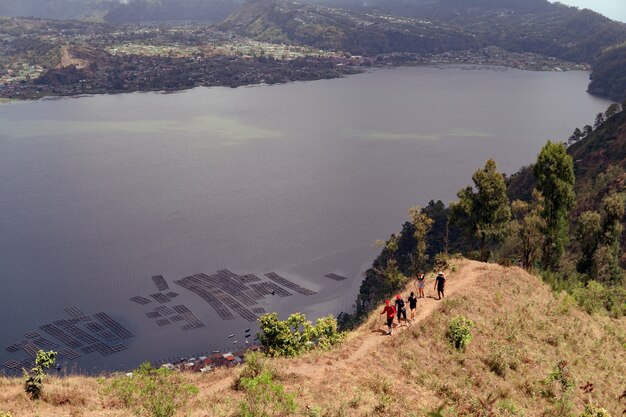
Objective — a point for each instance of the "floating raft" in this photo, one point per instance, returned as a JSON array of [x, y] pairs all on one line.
[[161, 298], [94, 327], [165, 311], [288, 284], [269, 288], [74, 311], [114, 326], [249, 278], [61, 335], [160, 282], [153, 314], [44, 343], [258, 310], [194, 285], [335, 277], [69, 354], [80, 334], [163, 322], [31, 335], [140, 300], [172, 294], [176, 317], [30, 349], [15, 365]]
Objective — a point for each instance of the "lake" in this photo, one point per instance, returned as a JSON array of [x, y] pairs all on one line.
[[98, 194]]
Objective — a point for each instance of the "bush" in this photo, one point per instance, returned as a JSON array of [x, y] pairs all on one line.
[[459, 332], [33, 381], [255, 364], [296, 335], [441, 261], [5, 414], [264, 397], [502, 358], [152, 392], [594, 411]]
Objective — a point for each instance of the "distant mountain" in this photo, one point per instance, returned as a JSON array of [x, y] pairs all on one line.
[[117, 11], [172, 10], [609, 74], [56, 9], [357, 32], [516, 25]]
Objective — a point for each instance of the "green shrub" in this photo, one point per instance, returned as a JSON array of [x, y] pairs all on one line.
[[33, 380], [255, 364], [296, 335], [459, 332], [441, 261], [264, 397], [502, 358], [152, 392], [5, 414], [594, 411]]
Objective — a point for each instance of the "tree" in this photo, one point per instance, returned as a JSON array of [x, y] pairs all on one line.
[[33, 381], [599, 121], [607, 259], [587, 129], [554, 171], [612, 110], [422, 224], [529, 230], [461, 214], [588, 234], [486, 210]]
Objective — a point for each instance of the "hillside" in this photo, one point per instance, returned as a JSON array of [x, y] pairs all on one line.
[[357, 32], [531, 352], [530, 26]]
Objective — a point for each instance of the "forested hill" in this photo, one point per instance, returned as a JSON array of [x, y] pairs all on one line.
[[518, 25], [431, 26], [357, 32]]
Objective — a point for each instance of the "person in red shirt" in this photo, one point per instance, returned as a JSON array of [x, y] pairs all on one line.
[[391, 313]]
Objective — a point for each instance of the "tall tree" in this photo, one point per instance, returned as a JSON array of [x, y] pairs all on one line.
[[529, 229], [491, 204], [422, 224], [554, 171], [485, 210]]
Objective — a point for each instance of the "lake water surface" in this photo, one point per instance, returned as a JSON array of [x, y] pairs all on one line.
[[98, 194]]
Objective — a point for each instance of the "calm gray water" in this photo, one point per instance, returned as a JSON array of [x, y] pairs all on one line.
[[97, 194]]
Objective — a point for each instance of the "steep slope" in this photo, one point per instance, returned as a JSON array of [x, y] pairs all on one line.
[[530, 353], [360, 33]]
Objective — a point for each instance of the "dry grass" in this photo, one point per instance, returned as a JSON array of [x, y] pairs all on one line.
[[522, 332]]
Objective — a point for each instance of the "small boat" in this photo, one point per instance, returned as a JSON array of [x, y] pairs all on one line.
[[247, 330], [236, 341], [216, 351], [231, 335], [246, 341]]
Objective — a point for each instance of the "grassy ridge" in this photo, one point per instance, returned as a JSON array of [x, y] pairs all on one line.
[[530, 353]]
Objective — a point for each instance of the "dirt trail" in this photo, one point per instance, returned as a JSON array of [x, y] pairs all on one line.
[[368, 337]]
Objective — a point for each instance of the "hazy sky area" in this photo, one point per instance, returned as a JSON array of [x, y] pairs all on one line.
[[614, 9]]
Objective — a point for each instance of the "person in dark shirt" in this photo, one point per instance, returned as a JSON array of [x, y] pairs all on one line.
[[391, 313], [412, 304], [400, 310], [440, 284]]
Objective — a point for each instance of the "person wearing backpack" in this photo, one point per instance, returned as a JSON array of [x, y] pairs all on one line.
[[401, 310], [391, 313]]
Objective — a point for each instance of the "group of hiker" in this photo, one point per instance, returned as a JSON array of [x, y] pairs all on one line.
[[398, 309]]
